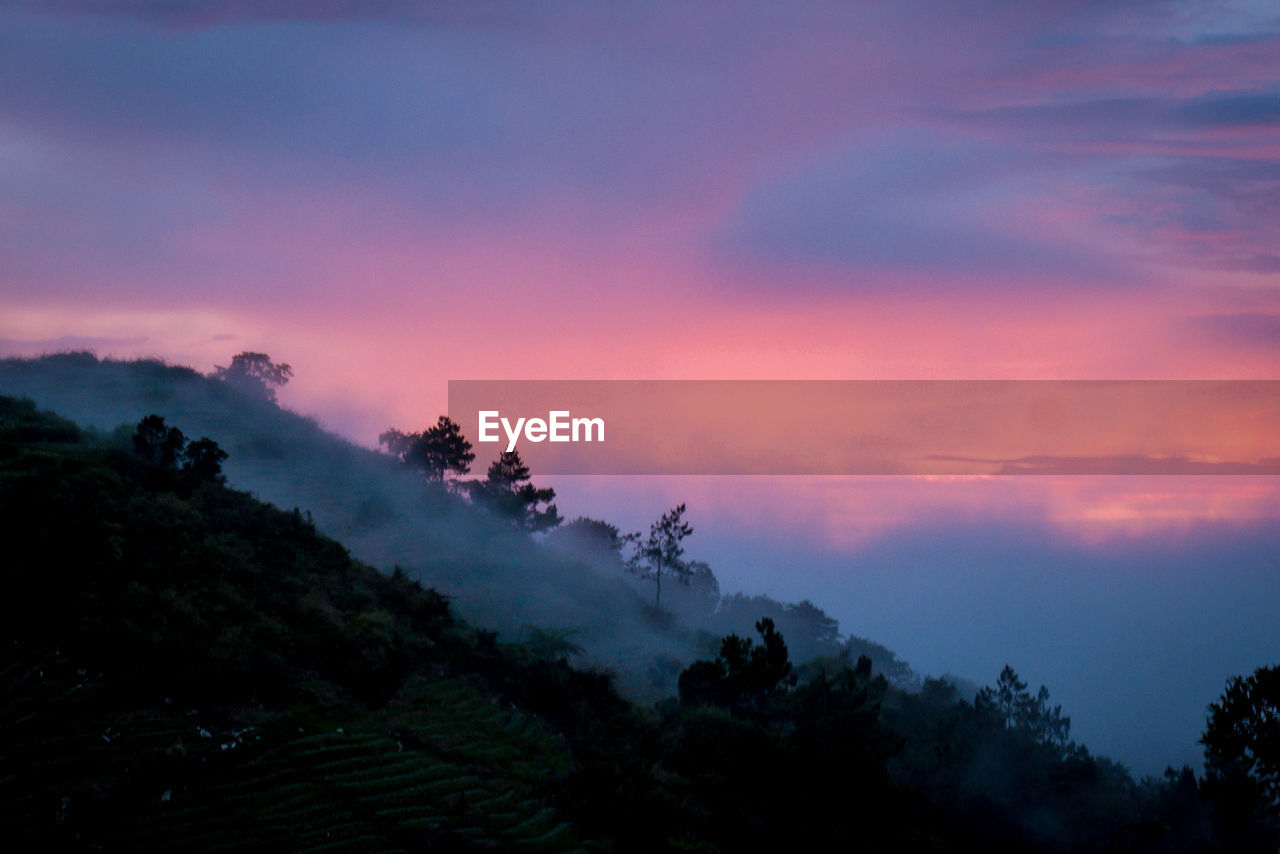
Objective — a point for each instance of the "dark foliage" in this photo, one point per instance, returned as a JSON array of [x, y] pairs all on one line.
[[203, 459], [507, 491], [159, 445], [808, 629], [435, 452], [165, 451], [167, 642], [255, 374], [747, 678], [184, 665], [21, 423], [1242, 760]]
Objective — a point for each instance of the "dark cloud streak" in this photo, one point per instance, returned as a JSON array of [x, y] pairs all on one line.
[[1246, 329], [1047, 464]]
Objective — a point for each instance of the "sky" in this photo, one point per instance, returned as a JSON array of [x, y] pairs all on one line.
[[389, 195]]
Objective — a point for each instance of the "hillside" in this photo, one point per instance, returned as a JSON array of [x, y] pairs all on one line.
[[186, 667], [494, 575]]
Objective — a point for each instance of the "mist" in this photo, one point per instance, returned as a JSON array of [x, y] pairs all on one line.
[[1131, 636], [1134, 639], [1134, 630], [495, 575]]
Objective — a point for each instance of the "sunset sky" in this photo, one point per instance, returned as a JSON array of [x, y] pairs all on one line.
[[388, 195]]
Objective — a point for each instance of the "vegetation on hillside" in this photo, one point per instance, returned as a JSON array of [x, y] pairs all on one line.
[[186, 666]]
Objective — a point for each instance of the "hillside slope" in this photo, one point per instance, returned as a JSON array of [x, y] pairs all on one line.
[[184, 667], [494, 575]]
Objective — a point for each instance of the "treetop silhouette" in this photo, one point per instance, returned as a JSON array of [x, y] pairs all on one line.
[[255, 374], [435, 452]]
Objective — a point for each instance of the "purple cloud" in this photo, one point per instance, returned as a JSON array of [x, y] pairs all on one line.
[[1248, 329], [920, 202], [729, 129]]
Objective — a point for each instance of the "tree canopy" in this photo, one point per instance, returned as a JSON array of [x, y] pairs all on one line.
[[255, 374], [745, 677], [134, 582], [1024, 712], [435, 452], [662, 553], [157, 443], [1242, 758], [508, 491], [166, 449]]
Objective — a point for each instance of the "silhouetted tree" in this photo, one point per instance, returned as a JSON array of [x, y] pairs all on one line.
[[435, 451], [165, 448], [203, 458], [255, 374], [809, 630], [1174, 815], [661, 554], [822, 630], [397, 443], [507, 491], [157, 443], [884, 660], [838, 721], [746, 677], [1009, 697], [1019, 710], [704, 589], [1242, 760]]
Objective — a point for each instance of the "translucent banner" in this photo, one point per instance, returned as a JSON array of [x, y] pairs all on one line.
[[983, 427]]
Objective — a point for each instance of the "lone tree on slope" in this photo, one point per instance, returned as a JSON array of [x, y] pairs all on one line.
[[507, 491], [255, 374], [434, 452], [662, 554]]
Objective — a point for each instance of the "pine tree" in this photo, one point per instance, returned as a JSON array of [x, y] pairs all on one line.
[[434, 452], [662, 553], [507, 491]]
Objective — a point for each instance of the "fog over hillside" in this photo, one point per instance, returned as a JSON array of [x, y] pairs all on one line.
[[497, 576]]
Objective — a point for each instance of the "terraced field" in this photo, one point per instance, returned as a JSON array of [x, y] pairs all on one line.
[[442, 766]]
